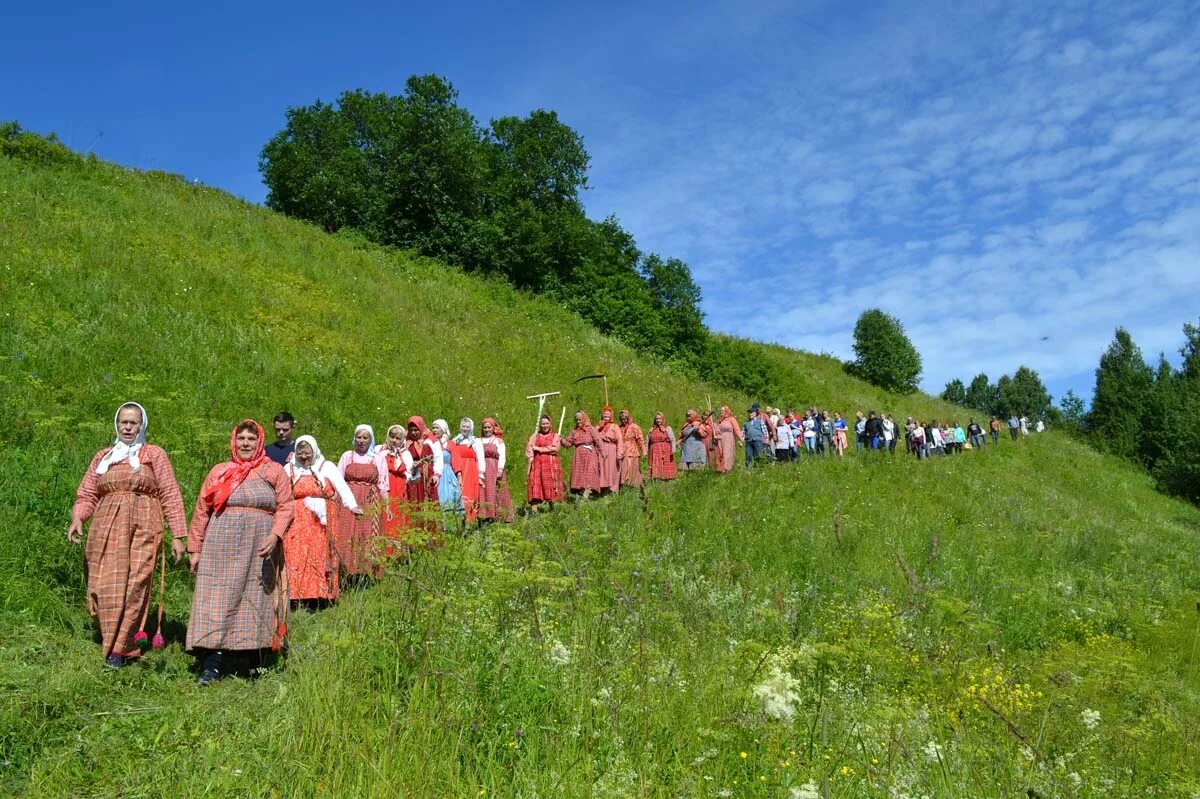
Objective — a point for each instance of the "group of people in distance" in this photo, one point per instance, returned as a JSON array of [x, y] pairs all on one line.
[[278, 526]]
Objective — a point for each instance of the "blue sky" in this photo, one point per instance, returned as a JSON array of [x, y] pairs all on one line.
[[1012, 180]]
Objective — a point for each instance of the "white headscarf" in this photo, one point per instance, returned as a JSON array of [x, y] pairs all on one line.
[[120, 450], [295, 471], [440, 427], [371, 432], [467, 438], [314, 468]]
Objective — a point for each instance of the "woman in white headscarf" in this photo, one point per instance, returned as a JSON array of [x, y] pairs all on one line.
[[365, 470], [127, 492], [449, 488], [309, 547], [466, 467]]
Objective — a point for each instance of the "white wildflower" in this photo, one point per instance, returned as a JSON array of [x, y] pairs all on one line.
[[559, 654], [778, 694], [932, 751], [1090, 718], [725, 792], [808, 790], [1075, 779]]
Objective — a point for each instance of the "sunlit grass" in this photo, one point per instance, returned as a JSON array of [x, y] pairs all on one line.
[[1014, 622]]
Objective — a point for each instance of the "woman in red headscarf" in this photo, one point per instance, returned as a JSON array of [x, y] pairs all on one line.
[[495, 501], [241, 516], [633, 449], [585, 468], [395, 519], [423, 469], [545, 469], [609, 438], [662, 450], [727, 434]]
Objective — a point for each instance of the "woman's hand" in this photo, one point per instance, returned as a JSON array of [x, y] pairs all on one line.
[[178, 549], [193, 562], [268, 546], [358, 514], [75, 531]]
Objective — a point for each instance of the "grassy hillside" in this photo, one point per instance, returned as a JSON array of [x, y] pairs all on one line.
[[1017, 621]]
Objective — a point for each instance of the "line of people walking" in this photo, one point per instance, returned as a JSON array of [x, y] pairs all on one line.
[[278, 526]]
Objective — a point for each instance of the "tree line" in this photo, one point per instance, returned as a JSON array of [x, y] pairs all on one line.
[[1149, 414], [418, 171]]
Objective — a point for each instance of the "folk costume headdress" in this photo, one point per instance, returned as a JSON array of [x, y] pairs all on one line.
[[120, 450]]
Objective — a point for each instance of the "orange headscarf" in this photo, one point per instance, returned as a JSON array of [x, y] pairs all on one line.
[[604, 424], [237, 471], [627, 412], [496, 431], [585, 421], [422, 431]]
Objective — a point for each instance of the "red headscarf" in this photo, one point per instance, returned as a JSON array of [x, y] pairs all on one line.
[[604, 424], [627, 412], [237, 470], [496, 431], [584, 421], [423, 432]]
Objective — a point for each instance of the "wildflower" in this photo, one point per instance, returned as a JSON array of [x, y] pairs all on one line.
[[808, 790], [744, 755], [559, 654], [725, 792], [1075, 779], [778, 693], [933, 751], [1090, 718]]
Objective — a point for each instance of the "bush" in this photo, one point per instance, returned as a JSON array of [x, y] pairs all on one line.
[[883, 354]]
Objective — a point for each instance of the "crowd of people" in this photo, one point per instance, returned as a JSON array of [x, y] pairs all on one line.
[[278, 526]]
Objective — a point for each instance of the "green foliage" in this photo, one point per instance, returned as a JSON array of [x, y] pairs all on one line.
[[417, 171], [1073, 411], [981, 395], [1124, 385], [31, 147], [883, 354], [955, 392], [840, 622], [1023, 394]]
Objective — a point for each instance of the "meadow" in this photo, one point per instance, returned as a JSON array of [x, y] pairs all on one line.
[[1018, 621]]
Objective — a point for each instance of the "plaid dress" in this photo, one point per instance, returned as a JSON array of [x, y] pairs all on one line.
[[126, 508], [545, 471], [357, 537], [662, 459], [495, 501], [237, 603], [585, 468]]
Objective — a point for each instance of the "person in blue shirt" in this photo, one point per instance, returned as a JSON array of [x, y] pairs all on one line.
[[284, 446]]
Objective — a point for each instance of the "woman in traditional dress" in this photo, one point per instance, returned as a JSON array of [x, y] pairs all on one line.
[[449, 487], [585, 468], [632, 450], [365, 471], [423, 469], [728, 433], [466, 466], [127, 491], [309, 548], [242, 513], [495, 501], [609, 442], [395, 521], [545, 469], [661, 449], [694, 436]]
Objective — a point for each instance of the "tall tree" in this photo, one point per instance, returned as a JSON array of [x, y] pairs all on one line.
[[1124, 385], [955, 392], [981, 394], [1024, 393], [1072, 410], [677, 301], [883, 354]]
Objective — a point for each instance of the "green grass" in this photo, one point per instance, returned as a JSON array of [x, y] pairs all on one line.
[[938, 628]]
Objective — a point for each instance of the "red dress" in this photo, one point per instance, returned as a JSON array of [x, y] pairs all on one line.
[[355, 536], [662, 459], [585, 468], [496, 502], [394, 527], [467, 469], [609, 444], [421, 495], [545, 470], [308, 547]]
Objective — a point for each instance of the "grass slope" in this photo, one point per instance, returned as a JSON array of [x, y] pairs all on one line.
[[1020, 619]]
